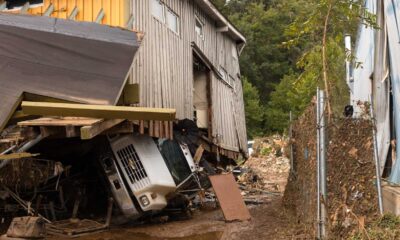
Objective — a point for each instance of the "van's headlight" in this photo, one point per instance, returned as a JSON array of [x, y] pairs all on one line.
[[144, 200]]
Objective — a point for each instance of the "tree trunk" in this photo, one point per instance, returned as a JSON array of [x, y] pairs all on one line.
[[325, 63]]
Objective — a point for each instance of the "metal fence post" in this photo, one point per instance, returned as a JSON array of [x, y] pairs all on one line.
[[322, 165], [318, 168], [376, 158]]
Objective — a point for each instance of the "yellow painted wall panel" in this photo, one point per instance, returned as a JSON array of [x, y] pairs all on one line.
[[107, 10], [56, 9], [117, 12], [62, 8], [80, 4], [70, 6], [97, 6], [88, 11]]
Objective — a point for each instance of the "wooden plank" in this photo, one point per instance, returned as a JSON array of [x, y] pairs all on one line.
[[19, 115], [229, 197], [156, 129], [60, 122], [151, 128], [89, 132], [198, 154], [97, 111], [141, 127], [17, 156], [171, 130]]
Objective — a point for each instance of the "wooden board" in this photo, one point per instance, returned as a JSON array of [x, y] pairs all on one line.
[[97, 111], [60, 122], [229, 197]]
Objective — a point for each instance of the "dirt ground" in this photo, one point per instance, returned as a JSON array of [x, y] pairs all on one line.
[[269, 219]]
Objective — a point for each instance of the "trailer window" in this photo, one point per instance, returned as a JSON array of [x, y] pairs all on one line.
[[15, 5], [199, 27], [157, 10], [172, 21]]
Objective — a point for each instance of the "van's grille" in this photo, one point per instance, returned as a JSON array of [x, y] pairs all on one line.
[[132, 164]]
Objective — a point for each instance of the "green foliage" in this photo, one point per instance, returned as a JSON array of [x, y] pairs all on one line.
[[265, 151], [253, 109], [386, 227], [265, 60], [283, 56]]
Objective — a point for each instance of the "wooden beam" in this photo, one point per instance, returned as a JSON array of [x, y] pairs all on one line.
[[19, 115], [89, 132], [100, 16], [49, 10], [24, 9], [61, 122], [199, 154], [97, 111], [129, 23], [73, 14], [17, 156]]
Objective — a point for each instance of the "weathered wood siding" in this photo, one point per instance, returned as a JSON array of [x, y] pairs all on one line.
[[164, 64], [163, 68]]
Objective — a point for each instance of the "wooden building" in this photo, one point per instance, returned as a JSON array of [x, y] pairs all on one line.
[[189, 58]]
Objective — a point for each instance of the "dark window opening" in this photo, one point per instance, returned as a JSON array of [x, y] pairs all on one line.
[[11, 4]]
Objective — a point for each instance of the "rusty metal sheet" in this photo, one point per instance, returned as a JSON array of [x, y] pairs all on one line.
[[229, 197], [74, 61]]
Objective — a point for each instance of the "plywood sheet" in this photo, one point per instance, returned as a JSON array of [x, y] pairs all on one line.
[[74, 61], [229, 197]]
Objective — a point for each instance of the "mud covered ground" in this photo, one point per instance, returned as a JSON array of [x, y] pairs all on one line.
[[269, 219]]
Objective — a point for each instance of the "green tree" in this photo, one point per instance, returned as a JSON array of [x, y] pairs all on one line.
[[293, 47], [265, 60], [253, 109]]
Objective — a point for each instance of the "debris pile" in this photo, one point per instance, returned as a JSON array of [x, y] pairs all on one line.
[[352, 197], [264, 175]]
